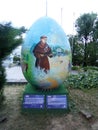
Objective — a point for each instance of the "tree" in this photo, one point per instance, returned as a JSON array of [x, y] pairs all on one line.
[[84, 27], [10, 38], [2, 81], [95, 40], [92, 51], [95, 31], [77, 50]]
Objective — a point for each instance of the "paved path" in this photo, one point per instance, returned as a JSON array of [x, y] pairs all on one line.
[[14, 74]]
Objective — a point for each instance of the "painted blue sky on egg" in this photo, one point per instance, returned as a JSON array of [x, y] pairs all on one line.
[[49, 27]]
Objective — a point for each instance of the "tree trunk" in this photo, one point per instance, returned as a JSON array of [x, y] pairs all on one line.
[[85, 54]]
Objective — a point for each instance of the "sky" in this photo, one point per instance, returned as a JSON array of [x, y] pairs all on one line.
[[26, 12]]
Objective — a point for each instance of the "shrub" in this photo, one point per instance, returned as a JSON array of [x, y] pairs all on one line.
[[90, 68], [16, 59], [76, 68], [87, 80], [2, 82]]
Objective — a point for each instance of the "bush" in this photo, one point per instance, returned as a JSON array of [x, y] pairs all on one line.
[[76, 68], [90, 68], [2, 82], [16, 59], [87, 80]]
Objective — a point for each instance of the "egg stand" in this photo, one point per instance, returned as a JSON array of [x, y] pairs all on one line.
[[41, 101]]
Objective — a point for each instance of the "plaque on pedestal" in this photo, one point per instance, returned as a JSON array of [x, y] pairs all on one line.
[[56, 102], [33, 101]]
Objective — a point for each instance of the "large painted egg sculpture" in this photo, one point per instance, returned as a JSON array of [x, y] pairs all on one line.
[[46, 54]]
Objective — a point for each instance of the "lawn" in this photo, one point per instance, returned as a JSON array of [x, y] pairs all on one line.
[[73, 120]]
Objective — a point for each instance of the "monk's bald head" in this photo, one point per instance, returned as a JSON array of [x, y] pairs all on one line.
[[43, 39]]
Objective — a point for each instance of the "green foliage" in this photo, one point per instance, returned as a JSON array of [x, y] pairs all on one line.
[[16, 59], [10, 38], [95, 30], [92, 54], [87, 32], [76, 68], [2, 82], [78, 54], [77, 50], [90, 68], [84, 80], [84, 24]]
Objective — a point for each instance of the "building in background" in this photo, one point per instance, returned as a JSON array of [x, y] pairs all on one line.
[[9, 60]]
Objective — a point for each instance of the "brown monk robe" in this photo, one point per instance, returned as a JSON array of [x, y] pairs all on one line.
[[41, 52]]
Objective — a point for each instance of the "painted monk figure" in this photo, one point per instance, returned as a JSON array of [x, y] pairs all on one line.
[[41, 52]]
